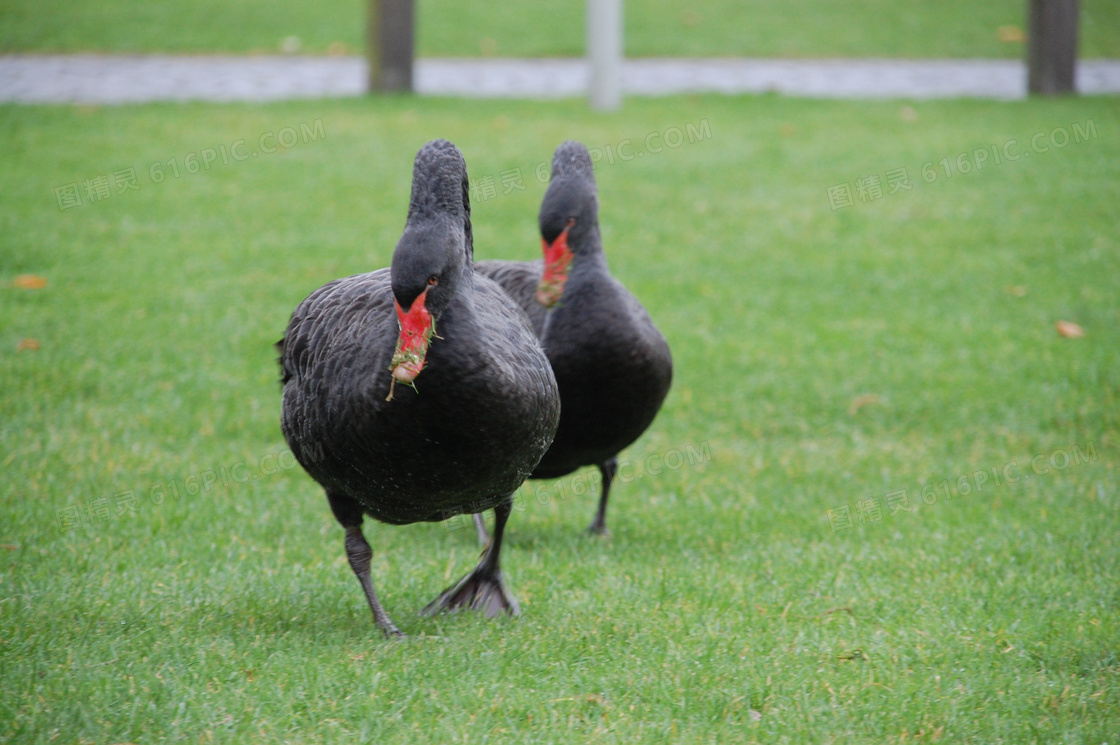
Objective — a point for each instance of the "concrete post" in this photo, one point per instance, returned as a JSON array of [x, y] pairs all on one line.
[[604, 52]]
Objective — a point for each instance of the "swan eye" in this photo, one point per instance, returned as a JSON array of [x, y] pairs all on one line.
[[433, 279]]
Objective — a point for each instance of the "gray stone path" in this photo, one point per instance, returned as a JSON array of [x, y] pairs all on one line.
[[119, 79]]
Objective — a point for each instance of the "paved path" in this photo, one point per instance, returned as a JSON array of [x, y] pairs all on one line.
[[117, 79]]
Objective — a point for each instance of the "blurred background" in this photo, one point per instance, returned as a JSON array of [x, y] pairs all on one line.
[[548, 28]]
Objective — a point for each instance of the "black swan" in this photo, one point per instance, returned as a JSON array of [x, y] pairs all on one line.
[[419, 392], [612, 364]]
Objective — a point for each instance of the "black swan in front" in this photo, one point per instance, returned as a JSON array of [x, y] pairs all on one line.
[[419, 392], [612, 364]]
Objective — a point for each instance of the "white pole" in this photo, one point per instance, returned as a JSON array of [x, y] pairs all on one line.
[[604, 51]]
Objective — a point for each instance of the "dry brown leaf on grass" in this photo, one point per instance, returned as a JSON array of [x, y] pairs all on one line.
[[29, 282], [691, 18], [1069, 330], [31, 344], [1010, 34], [860, 401]]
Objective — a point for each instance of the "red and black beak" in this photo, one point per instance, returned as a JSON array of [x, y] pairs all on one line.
[[417, 328], [557, 262]]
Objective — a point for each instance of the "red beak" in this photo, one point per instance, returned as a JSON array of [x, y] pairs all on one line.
[[557, 262], [417, 328]]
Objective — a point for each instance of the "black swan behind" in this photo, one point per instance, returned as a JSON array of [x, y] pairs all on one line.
[[419, 392], [613, 366]]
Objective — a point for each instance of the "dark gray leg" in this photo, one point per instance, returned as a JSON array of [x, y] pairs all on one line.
[[599, 525], [483, 588], [359, 554], [480, 526]]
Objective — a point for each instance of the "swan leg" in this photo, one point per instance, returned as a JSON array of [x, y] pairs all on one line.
[[483, 588], [359, 553], [480, 527], [598, 525]]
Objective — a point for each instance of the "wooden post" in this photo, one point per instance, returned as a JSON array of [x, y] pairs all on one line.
[[390, 34], [604, 51], [1051, 46]]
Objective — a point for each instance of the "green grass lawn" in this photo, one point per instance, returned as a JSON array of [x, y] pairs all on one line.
[[763, 581], [536, 28]]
